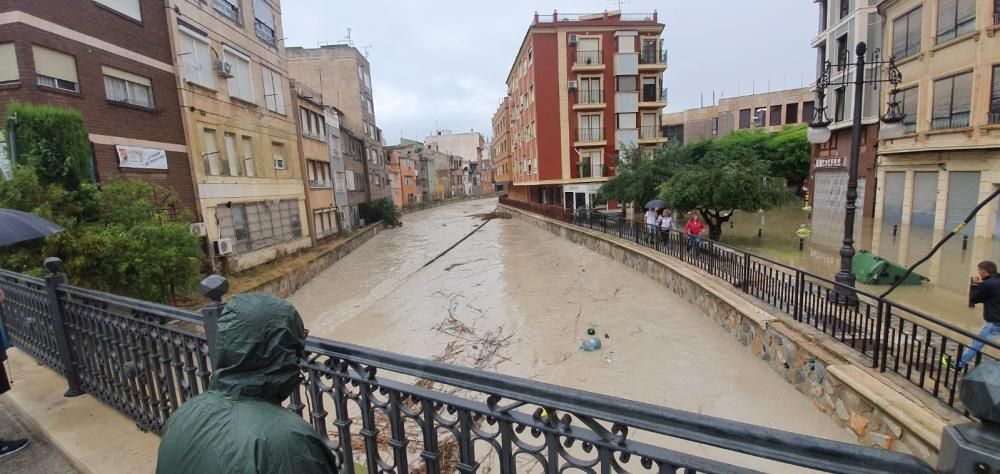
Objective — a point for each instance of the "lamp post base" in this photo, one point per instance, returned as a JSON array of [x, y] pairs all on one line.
[[844, 292]]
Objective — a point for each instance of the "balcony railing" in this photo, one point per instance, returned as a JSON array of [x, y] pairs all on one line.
[[589, 134], [956, 120], [264, 32], [649, 132], [572, 17], [909, 127], [313, 183], [589, 57], [589, 96], [145, 360], [996, 18], [227, 9], [652, 56], [993, 118], [586, 169]]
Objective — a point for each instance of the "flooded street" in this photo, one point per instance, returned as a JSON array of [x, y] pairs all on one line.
[[530, 296], [944, 296]]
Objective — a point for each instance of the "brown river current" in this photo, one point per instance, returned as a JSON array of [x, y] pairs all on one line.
[[530, 296]]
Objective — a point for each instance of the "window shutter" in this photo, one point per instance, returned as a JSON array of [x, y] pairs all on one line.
[[128, 76], [946, 18], [128, 8], [8, 63], [55, 64], [995, 95], [262, 11], [900, 30], [915, 21], [966, 10], [942, 97], [962, 97]]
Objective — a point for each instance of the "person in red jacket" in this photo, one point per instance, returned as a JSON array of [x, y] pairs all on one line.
[[693, 229]]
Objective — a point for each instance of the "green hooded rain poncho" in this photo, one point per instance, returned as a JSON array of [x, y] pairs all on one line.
[[239, 425]]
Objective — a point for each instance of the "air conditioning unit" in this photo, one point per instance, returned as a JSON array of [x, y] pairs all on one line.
[[573, 39], [223, 246], [199, 229], [223, 68], [572, 85]]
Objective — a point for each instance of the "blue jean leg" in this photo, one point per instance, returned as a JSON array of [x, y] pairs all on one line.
[[990, 331], [695, 241]]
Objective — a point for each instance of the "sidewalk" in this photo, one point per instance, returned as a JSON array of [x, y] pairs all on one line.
[[40, 456], [91, 436]]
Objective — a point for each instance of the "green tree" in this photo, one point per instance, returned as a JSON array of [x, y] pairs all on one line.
[[54, 142], [380, 210], [728, 178], [637, 177], [789, 154]]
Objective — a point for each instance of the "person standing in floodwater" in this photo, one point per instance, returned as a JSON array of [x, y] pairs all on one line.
[[986, 290], [693, 229]]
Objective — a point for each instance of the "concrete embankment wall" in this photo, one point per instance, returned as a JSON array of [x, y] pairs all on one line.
[[289, 282], [868, 405]]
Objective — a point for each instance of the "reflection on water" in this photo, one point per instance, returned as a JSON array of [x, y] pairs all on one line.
[[945, 296]]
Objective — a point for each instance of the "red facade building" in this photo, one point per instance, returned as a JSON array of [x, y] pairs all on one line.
[[582, 89]]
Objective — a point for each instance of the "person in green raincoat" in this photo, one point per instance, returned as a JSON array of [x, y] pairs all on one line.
[[239, 425]]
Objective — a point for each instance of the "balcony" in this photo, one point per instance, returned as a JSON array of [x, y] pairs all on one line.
[[652, 60], [590, 137], [993, 118], [586, 169], [651, 98], [626, 137], [590, 60], [651, 134]]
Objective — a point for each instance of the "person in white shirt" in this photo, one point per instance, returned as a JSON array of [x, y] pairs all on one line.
[[666, 224], [651, 217]]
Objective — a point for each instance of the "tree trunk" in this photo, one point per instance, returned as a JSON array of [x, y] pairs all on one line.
[[714, 230]]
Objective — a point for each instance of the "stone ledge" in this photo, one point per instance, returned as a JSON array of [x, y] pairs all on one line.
[[914, 417]]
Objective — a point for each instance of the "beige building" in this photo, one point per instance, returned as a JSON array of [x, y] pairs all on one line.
[[343, 75], [767, 111], [315, 160], [949, 159], [240, 130]]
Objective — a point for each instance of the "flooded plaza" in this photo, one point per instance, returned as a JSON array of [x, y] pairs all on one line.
[[518, 300]]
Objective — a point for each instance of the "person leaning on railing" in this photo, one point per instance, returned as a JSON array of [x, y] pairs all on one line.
[[6, 447], [986, 290]]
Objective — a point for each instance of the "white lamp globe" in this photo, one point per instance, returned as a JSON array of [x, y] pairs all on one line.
[[818, 135], [890, 130]]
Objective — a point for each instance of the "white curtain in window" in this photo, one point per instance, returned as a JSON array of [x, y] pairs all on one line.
[[117, 89], [55, 64], [8, 63]]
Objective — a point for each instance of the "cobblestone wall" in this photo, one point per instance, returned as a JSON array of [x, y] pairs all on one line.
[[868, 409]]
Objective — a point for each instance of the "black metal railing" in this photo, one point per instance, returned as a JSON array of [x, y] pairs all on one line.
[[652, 56], [589, 96], [589, 57], [955, 120], [993, 118], [390, 412], [266, 34], [589, 134], [893, 337]]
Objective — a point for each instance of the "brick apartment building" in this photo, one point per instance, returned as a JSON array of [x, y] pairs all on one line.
[[112, 61], [582, 88], [500, 151]]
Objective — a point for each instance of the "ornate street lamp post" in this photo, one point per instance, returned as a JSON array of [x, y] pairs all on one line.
[[819, 132]]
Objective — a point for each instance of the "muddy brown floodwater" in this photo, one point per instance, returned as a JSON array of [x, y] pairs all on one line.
[[531, 296]]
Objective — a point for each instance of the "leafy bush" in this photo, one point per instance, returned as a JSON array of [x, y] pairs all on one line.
[[54, 142], [380, 210]]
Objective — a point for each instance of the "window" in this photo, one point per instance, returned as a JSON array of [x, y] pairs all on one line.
[[775, 115], [127, 88], [821, 58], [955, 18], [715, 126], [843, 55], [312, 124], [906, 34], [822, 14], [745, 118], [649, 129], [808, 110], [840, 97], [845, 8], [274, 91], [626, 44], [255, 225], [588, 51], [626, 121], [994, 116], [248, 164], [952, 101], [232, 159], [590, 128], [240, 85], [590, 91], [278, 152], [791, 113], [352, 184], [760, 117], [908, 106], [263, 23], [649, 89], [210, 157], [196, 59], [626, 83], [8, 64], [228, 8], [55, 69]]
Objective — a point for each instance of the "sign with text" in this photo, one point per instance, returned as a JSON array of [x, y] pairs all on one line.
[[835, 162], [142, 158]]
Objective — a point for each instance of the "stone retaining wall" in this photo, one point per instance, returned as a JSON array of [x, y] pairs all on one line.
[[867, 405], [288, 283]]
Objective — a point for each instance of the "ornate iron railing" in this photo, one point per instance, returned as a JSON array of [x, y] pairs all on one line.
[[394, 413], [893, 337]]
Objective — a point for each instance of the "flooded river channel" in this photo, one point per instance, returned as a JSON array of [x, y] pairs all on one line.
[[530, 296]]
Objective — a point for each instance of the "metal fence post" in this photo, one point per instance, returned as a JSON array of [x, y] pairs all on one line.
[[214, 287], [52, 281], [746, 272], [877, 339]]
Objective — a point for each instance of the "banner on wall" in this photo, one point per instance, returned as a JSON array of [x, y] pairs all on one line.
[[141, 158]]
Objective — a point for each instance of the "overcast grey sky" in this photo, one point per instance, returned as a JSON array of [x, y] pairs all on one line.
[[442, 64]]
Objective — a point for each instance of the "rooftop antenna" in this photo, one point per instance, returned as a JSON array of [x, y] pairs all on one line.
[[347, 39], [619, 3]]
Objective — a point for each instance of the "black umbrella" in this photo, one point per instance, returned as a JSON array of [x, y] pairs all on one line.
[[17, 226], [656, 204]]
